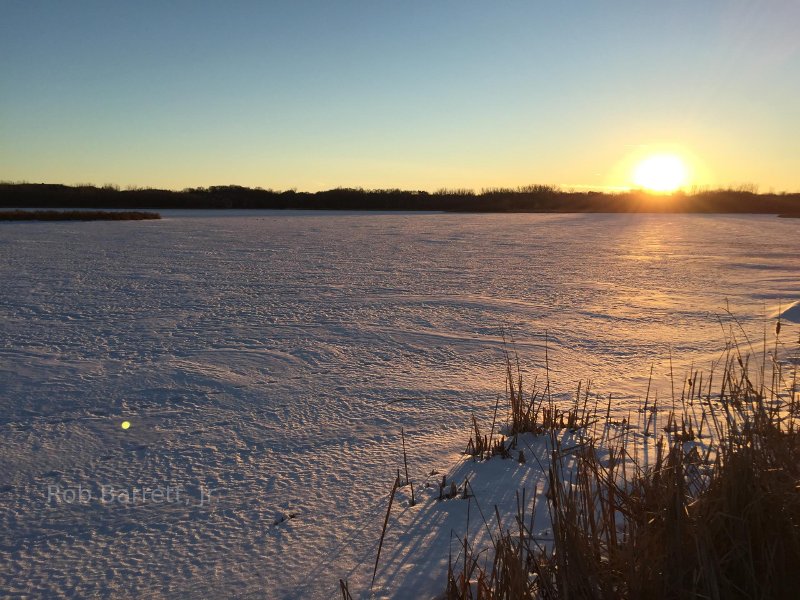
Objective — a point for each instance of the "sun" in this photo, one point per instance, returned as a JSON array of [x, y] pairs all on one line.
[[661, 173]]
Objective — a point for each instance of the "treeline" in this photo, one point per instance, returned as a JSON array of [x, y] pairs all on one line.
[[537, 198]]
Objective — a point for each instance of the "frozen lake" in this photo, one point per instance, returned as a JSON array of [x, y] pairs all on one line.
[[269, 360]]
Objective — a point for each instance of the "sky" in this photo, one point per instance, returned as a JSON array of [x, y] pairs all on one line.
[[313, 94]]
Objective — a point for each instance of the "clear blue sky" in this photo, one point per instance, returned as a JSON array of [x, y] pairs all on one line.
[[411, 94]]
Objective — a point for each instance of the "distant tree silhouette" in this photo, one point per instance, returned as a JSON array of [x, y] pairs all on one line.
[[534, 198]]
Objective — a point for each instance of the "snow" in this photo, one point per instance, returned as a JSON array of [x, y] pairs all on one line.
[[267, 361], [789, 313]]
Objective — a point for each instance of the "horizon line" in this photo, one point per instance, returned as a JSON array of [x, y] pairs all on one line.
[[530, 188]]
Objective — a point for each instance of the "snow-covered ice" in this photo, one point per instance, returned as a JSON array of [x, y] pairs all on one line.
[[789, 313], [267, 361]]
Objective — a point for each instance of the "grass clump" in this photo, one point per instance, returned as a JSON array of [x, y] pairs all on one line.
[[536, 412]]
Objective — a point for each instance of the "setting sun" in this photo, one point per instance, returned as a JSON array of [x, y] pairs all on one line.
[[661, 173]]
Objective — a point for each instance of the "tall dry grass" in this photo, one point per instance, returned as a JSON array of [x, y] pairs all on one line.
[[717, 517]]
